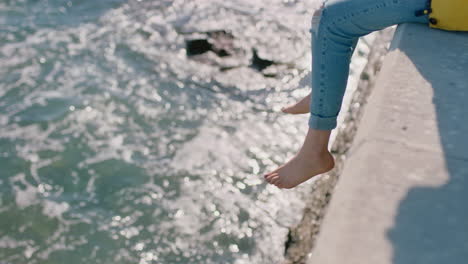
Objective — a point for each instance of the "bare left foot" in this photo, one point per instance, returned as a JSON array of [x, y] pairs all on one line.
[[301, 107], [313, 159]]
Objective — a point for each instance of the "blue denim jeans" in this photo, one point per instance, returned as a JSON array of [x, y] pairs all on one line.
[[335, 30]]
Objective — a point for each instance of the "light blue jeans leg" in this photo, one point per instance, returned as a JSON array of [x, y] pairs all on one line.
[[335, 30]]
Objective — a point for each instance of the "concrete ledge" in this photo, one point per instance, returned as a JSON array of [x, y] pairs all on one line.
[[402, 197]]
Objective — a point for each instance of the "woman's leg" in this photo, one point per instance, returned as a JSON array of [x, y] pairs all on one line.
[[341, 23], [336, 28], [303, 105]]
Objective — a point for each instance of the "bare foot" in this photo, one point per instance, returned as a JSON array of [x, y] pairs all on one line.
[[313, 159], [301, 107], [300, 169]]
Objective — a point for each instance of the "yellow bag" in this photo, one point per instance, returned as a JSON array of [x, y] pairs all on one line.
[[447, 14]]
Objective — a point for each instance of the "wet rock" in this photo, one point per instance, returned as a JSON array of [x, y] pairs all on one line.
[[198, 46], [221, 49], [217, 48], [259, 63], [223, 43], [220, 42]]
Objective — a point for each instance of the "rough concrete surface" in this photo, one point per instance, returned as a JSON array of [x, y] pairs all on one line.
[[402, 195]]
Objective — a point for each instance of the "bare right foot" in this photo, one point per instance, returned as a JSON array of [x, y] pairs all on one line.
[[312, 159], [299, 169], [301, 107]]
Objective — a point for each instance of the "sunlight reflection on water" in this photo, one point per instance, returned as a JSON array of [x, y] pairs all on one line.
[[116, 147]]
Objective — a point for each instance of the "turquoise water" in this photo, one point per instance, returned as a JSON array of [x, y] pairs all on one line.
[[118, 147]]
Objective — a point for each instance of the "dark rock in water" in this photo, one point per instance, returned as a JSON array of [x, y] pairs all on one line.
[[218, 48], [221, 49], [220, 42], [259, 63], [198, 46]]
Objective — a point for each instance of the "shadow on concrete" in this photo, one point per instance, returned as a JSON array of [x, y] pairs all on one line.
[[431, 225]]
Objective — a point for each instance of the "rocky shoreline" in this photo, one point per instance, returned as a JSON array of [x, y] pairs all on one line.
[[301, 237]]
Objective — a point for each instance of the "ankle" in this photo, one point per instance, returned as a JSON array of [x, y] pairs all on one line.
[[314, 153]]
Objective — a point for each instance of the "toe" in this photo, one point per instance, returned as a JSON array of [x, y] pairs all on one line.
[[275, 171], [279, 184], [275, 179], [271, 172], [271, 177], [286, 109]]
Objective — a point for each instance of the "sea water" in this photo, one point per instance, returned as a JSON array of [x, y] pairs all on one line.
[[118, 146]]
